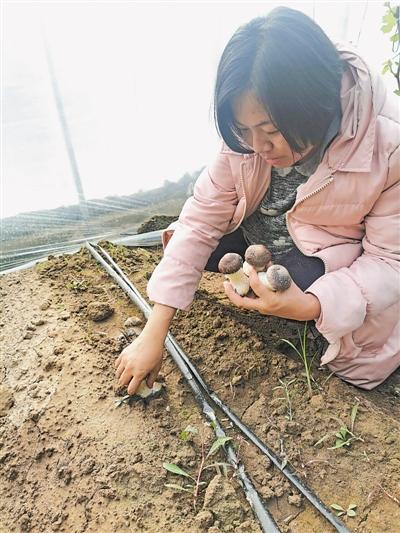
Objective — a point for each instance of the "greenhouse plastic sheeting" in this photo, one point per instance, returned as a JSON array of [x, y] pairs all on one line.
[[30, 256]]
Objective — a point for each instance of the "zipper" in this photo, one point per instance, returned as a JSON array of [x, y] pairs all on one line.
[[296, 204], [244, 195]]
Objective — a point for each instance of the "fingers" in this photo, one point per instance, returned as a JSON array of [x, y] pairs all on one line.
[[117, 361], [257, 285], [153, 376], [126, 376], [240, 301], [120, 369], [134, 384]]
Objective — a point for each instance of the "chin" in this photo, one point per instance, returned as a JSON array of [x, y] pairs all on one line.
[[280, 164]]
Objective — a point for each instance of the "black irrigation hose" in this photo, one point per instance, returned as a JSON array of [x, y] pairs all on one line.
[[275, 459], [265, 519]]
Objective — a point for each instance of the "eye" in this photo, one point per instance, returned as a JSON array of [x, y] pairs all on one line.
[[273, 132]]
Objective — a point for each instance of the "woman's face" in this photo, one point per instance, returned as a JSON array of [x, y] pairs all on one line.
[[260, 134]]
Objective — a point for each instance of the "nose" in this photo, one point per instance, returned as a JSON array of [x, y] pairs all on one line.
[[260, 143]]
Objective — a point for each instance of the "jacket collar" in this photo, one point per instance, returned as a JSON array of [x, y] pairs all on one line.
[[352, 149]]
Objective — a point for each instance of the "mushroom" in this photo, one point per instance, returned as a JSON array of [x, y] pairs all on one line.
[[231, 265], [276, 278], [258, 256], [145, 393]]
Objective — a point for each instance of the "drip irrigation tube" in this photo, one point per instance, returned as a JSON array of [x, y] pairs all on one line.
[[190, 372], [265, 519]]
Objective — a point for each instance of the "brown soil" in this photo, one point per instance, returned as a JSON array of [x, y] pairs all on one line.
[[72, 460], [155, 223]]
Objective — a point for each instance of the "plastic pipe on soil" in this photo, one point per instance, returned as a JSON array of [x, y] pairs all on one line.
[[275, 459], [265, 519]]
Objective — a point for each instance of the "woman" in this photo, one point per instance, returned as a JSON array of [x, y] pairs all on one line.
[[310, 167]]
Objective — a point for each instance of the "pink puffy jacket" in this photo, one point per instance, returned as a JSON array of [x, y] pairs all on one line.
[[347, 213]]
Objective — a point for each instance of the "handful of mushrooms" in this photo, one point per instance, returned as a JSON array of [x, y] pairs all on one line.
[[275, 277]]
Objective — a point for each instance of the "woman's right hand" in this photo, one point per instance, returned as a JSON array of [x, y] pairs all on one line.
[[141, 359]]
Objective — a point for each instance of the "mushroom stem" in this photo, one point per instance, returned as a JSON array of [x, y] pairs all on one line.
[[239, 281], [276, 278], [231, 265]]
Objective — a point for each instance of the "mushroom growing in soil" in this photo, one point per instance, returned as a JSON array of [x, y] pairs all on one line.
[[145, 393], [258, 256], [231, 265]]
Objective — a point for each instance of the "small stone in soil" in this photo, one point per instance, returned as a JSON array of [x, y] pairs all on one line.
[[295, 499], [6, 399], [38, 321], [98, 311], [217, 323], [133, 321], [205, 519], [317, 401]]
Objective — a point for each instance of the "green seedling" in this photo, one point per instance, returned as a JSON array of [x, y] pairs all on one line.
[[304, 357], [187, 432], [194, 484], [285, 387], [345, 436], [350, 511], [77, 285]]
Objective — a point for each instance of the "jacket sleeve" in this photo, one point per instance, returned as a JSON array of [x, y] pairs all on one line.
[[372, 283], [204, 219]]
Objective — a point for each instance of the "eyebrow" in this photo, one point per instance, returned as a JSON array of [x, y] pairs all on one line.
[[263, 123]]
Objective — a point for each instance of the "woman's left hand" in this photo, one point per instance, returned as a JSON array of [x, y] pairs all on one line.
[[292, 303]]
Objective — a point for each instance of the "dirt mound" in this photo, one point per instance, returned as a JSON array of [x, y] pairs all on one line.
[[157, 222], [75, 457]]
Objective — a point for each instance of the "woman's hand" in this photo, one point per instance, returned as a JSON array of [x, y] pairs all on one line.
[[292, 303], [141, 359]]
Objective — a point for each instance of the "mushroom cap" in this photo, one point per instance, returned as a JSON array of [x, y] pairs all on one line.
[[258, 256], [145, 392], [230, 263], [279, 278]]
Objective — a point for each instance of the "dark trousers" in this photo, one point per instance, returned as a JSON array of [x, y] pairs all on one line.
[[303, 269]]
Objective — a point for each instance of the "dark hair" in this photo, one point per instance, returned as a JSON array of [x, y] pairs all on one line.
[[294, 70]]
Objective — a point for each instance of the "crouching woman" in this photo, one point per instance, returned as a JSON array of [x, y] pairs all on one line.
[[310, 167]]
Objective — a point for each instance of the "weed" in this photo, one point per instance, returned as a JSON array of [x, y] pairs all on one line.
[[304, 357], [350, 511], [194, 483], [285, 387], [187, 433], [77, 285], [345, 436]]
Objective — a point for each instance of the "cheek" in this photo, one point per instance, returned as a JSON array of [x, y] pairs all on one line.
[[282, 146]]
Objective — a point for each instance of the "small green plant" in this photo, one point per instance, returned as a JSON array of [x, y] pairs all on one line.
[[350, 511], [285, 387], [345, 436], [187, 433], [77, 285], [304, 357], [391, 23], [194, 483]]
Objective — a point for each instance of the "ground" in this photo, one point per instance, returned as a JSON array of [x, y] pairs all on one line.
[[74, 460]]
